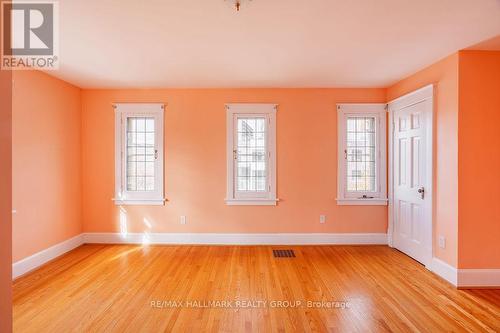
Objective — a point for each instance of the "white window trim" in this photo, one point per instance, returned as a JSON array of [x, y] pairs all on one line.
[[379, 112], [122, 111], [267, 198]]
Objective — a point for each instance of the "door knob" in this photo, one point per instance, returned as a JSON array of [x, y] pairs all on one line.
[[421, 190]]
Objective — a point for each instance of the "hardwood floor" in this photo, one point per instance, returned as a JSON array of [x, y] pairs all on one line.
[[110, 288]]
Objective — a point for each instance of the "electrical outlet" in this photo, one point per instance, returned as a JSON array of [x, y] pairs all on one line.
[[322, 219], [183, 219], [442, 242]]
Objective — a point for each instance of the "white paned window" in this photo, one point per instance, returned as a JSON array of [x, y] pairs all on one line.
[[251, 154], [362, 154], [139, 154]]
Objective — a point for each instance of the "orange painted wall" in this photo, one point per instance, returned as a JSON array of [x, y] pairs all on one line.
[[479, 160], [46, 126], [195, 163], [5, 201], [444, 74]]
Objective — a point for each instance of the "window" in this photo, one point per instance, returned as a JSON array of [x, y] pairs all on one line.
[[251, 154], [139, 154], [361, 154]]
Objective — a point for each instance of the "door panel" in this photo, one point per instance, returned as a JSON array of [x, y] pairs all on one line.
[[402, 161], [416, 225], [416, 156]]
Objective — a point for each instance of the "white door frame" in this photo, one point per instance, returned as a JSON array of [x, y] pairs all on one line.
[[412, 98]]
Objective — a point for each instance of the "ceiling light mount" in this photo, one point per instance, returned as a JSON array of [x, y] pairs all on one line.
[[237, 3]]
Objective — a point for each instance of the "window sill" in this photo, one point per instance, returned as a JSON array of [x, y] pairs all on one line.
[[150, 202], [251, 202], [362, 202]]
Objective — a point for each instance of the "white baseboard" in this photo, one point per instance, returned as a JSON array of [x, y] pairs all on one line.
[[444, 270], [466, 278], [237, 239], [25, 265], [477, 278]]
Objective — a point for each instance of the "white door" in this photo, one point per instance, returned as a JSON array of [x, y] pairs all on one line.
[[412, 178]]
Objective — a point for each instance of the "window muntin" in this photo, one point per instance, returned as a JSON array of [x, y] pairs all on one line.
[[361, 159], [139, 153], [251, 154]]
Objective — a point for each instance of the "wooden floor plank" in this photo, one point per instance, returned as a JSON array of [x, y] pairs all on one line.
[[109, 288]]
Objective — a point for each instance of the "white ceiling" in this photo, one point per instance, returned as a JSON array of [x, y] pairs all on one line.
[[269, 43]]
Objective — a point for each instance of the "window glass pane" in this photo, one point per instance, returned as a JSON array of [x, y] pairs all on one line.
[[150, 183], [361, 154], [150, 125], [141, 183], [131, 184], [251, 149], [140, 154]]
